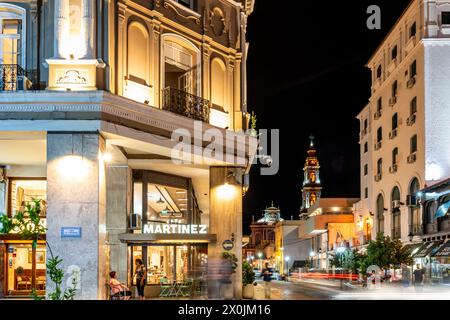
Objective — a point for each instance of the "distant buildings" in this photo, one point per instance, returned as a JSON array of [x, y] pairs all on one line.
[[405, 134]]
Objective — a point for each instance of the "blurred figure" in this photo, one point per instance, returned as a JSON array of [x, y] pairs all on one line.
[[219, 272], [418, 278], [267, 277], [406, 276], [374, 280]]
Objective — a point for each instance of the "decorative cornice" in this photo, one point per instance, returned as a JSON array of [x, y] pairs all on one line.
[[171, 5]]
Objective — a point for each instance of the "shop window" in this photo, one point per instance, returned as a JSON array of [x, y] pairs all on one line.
[[19, 276], [23, 191]]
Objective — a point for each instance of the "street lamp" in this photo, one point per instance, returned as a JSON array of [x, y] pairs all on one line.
[[287, 264], [260, 261], [341, 250]]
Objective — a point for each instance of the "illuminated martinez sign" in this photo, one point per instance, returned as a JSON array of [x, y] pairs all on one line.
[[165, 228]]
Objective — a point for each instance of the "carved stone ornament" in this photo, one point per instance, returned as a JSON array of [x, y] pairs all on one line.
[[217, 21]]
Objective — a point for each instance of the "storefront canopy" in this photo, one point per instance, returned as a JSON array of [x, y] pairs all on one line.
[[413, 247], [443, 251], [142, 238], [428, 248]]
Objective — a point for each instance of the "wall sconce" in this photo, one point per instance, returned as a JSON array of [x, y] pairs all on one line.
[[228, 190]]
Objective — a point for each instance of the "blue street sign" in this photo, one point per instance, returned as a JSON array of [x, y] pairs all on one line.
[[71, 232]]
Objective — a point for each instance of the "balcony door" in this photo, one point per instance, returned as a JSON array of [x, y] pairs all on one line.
[[12, 39]]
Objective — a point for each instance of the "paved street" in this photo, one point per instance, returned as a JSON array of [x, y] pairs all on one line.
[[322, 291]]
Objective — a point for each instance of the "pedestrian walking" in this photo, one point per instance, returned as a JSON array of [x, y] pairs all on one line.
[[418, 278], [267, 277], [406, 276]]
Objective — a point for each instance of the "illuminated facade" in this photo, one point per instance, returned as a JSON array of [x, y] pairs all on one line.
[[94, 99], [404, 129], [311, 182]]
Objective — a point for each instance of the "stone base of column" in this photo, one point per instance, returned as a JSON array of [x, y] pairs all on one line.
[[72, 75]]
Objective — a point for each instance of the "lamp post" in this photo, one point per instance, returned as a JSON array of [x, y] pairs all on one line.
[[411, 237], [260, 261], [341, 251], [287, 265]]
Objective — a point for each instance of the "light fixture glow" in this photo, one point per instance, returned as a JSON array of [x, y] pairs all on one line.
[[312, 253], [226, 191], [107, 157]]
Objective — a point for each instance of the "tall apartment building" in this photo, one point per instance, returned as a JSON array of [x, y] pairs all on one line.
[[95, 97], [405, 132]]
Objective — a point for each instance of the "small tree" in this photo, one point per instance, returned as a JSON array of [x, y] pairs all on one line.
[[385, 252]]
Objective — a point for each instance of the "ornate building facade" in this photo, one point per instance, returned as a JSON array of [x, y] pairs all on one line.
[[94, 97]]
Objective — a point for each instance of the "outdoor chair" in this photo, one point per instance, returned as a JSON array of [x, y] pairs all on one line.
[[165, 287]]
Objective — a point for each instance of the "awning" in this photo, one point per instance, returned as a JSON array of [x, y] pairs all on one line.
[[443, 251], [413, 248], [442, 210], [143, 238], [299, 264], [427, 249]]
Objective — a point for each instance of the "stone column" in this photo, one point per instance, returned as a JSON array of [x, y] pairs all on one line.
[[61, 33], [118, 205], [226, 217], [87, 28], [121, 46], [76, 198]]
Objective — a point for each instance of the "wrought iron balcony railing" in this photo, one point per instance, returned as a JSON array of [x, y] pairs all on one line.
[[13, 77], [186, 104]]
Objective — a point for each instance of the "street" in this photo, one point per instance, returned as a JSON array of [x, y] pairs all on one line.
[[312, 290]]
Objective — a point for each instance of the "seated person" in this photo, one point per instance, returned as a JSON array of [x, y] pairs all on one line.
[[117, 288]]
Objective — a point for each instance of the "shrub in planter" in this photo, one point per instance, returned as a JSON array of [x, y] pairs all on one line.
[[248, 281]]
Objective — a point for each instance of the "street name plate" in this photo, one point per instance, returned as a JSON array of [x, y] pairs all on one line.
[[71, 232]]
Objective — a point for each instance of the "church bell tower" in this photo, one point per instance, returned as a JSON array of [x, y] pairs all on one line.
[[311, 182]]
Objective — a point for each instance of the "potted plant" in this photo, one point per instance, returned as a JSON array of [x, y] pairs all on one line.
[[226, 287], [248, 281], [253, 131]]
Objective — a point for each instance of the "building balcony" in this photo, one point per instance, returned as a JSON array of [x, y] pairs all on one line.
[[411, 120], [392, 65], [393, 134], [378, 177], [416, 229], [377, 145], [412, 158], [14, 78], [377, 115], [410, 44], [186, 104], [392, 101], [393, 168], [411, 82]]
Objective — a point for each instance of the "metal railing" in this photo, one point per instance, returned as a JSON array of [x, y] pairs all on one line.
[[186, 104], [13, 77]]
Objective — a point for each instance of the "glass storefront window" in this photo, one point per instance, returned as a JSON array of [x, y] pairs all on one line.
[[172, 262], [20, 266]]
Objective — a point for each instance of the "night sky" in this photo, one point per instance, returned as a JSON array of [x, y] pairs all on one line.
[[307, 74]]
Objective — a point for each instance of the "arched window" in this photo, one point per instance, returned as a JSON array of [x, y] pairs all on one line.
[[395, 206], [415, 221], [380, 213], [431, 211], [220, 113], [137, 79], [12, 34], [181, 67]]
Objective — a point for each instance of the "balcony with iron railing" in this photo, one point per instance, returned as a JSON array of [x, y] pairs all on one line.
[[14, 78], [186, 104]]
